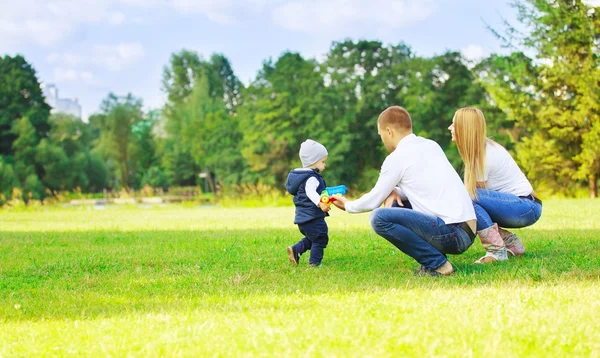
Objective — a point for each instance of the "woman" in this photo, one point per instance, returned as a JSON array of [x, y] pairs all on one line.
[[501, 194]]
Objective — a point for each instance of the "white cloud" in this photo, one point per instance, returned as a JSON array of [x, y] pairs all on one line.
[[116, 18], [62, 75], [117, 57], [474, 52], [594, 3], [220, 11], [109, 57], [142, 3], [346, 16], [48, 22]]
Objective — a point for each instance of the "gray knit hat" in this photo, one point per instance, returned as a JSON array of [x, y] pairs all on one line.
[[311, 152]]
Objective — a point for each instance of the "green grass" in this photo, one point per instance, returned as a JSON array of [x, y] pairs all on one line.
[[183, 281]]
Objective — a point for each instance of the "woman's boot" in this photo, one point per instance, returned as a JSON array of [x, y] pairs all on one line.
[[513, 244], [492, 242]]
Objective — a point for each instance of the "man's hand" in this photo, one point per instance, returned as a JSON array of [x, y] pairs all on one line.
[[340, 203], [324, 207], [389, 201]]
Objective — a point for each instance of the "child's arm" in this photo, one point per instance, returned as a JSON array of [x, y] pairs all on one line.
[[311, 191]]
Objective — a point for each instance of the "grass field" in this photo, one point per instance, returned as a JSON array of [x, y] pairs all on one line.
[[183, 281]]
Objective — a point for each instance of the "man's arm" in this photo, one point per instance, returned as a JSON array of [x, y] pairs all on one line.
[[389, 177]]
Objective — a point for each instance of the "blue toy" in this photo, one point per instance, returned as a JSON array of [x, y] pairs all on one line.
[[329, 195]]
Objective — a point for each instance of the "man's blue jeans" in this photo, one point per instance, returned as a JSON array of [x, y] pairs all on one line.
[[425, 238], [507, 210]]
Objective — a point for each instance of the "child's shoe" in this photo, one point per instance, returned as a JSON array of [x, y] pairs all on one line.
[[293, 256]]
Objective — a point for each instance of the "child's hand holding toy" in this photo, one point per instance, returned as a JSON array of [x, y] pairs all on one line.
[[331, 194]]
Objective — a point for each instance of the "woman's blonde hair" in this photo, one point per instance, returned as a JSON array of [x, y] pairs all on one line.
[[470, 136]]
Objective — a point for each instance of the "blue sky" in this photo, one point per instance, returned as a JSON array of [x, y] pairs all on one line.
[[90, 48]]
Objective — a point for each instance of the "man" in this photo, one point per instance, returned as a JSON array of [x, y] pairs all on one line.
[[442, 218]]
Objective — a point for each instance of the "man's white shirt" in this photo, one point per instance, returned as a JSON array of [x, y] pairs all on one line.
[[419, 170]]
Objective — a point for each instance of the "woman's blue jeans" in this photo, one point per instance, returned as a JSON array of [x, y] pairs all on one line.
[[507, 210]]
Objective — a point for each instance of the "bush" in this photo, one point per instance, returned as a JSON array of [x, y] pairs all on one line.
[[156, 178], [8, 181], [33, 189]]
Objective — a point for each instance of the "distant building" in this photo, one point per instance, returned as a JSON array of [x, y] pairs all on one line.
[[61, 105]]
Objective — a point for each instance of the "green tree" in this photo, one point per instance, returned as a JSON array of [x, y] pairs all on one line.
[[276, 116], [118, 118], [362, 78], [214, 136], [20, 96], [24, 148], [179, 77], [559, 141], [8, 181], [434, 88], [98, 177], [143, 149], [197, 90], [66, 156], [224, 83], [175, 154], [58, 171]]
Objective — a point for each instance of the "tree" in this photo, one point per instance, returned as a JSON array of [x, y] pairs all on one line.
[[8, 181], [24, 148], [278, 111], [58, 169], [559, 140], [20, 96], [179, 77], [217, 136], [198, 91], [224, 83], [66, 156], [143, 149], [119, 116], [362, 79], [434, 88]]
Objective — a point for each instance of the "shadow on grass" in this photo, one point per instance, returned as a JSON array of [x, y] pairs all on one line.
[[75, 275]]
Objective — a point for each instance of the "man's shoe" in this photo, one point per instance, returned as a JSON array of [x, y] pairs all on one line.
[[293, 256], [424, 271]]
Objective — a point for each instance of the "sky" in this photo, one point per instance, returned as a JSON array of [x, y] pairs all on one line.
[[90, 48]]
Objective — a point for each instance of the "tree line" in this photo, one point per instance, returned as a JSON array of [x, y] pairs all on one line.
[[544, 107]]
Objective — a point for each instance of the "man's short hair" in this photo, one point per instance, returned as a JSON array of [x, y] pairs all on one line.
[[395, 117]]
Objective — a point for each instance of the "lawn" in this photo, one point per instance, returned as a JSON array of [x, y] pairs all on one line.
[[197, 281]]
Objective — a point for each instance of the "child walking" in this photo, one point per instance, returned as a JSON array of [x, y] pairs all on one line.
[[306, 184]]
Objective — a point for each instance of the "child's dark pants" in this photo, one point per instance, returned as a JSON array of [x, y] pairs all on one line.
[[315, 239]]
